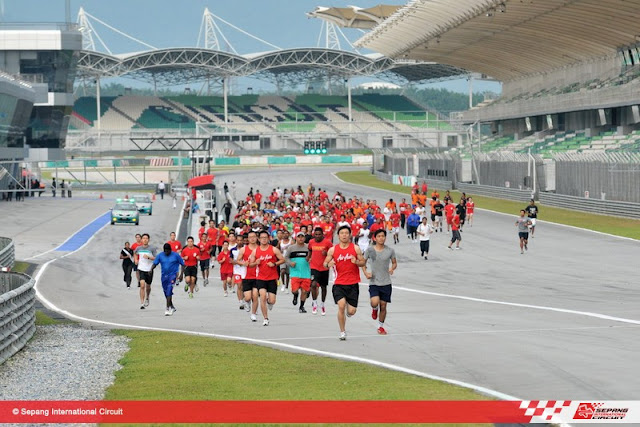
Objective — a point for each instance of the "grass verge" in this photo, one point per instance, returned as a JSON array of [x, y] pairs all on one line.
[[44, 320], [173, 366], [606, 224]]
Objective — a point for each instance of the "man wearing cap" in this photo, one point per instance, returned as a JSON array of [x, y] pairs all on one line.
[[297, 257], [172, 264]]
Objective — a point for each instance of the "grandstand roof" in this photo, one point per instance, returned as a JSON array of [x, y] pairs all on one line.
[[353, 16], [166, 67], [506, 39]]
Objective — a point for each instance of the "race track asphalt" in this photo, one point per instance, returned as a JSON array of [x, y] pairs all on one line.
[[558, 323]]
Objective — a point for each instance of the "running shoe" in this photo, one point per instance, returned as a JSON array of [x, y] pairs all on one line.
[[171, 311], [314, 309], [146, 302], [381, 331], [295, 299], [241, 305], [253, 317], [521, 252], [270, 306], [525, 247], [206, 282], [226, 294], [302, 310], [425, 257], [343, 336], [186, 287], [458, 248], [266, 322], [247, 306], [142, 307], [191, 295], [197, 288], [323, 311], [374, 314], [282, 288], [166, 312]]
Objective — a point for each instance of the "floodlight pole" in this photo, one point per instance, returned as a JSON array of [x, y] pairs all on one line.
[[348, 82], [226, 105], [98, 101]]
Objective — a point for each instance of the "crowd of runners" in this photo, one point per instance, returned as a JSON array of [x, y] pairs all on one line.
[[295, 240]]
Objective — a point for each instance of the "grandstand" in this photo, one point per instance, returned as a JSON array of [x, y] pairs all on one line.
[[571, 88]]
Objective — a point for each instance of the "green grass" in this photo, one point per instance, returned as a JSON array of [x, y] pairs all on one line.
[[607, 224], [203, 368], [20, 267], [44, 320]]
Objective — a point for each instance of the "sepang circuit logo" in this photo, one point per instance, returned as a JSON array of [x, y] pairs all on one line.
[[596, 411]]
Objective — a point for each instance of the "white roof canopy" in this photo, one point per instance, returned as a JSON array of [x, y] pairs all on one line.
[[353, 16], [507, 39]]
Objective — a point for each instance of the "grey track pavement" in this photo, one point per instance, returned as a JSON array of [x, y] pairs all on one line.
[[530, 352]]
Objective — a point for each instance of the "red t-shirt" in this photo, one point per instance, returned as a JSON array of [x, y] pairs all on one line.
[[347, 273], [319, 253], [190, 254], [355, 228], [251, 271], [455, 222], [264, 271], [175, 246], [375, 227], [403, 208], [212, 234], [449, 210], [200, 233], [258, 197], [395, 220], [470, 207], [205, 249], [222, 236], [225, 262]]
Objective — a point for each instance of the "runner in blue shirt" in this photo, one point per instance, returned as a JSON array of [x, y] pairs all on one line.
[[172, 264]]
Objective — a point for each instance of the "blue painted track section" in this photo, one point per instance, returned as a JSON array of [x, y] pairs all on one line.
[[80, 238]]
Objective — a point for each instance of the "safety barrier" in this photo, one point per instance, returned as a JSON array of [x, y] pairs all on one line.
[[495, 192], [597, 206], [17, 313], [7, 253]]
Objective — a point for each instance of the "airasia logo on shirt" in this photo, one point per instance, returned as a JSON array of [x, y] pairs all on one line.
[[265, 258], [344, 258]]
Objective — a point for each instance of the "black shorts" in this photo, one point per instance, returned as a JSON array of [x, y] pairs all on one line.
[[248, 284], [204, 264], [433, 217], [384, 292], [147, 276], [320, 277], [348, 292], [270, 285], [455, 235], [191, 270], [523, 235]]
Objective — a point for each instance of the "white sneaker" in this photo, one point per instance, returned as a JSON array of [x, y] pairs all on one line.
[[171, 311], [247, 306], [197, 288], [457, 248], [167, 312], [286, 290], [266, 322], [226, 294], [323, 311], [314, 308], [253, 317], [343, 336], [206, 282], [146, 302]]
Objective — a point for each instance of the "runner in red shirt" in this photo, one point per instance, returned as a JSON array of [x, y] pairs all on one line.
[[470, 208], [226, 268], [258, 198], [176, 246], [249, 286], [205, 256], [190, 255], [346, 258], [212, 233], [319, 247], [222, 236], [394, 218], [404, 212], [455, 232], [266, 258]]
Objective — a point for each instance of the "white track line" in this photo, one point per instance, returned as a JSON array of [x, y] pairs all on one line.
[[515, 304], [503, 213]]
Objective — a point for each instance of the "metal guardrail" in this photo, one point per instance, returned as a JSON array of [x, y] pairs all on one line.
[[597, 206], [496, 192], [17, 313], [7, 252]]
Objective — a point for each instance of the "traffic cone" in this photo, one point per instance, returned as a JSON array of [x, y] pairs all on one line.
[[101, 196], [183, 197], [126, 196], [154, 196]]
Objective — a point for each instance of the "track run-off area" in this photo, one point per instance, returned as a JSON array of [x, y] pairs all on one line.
[[560, 322]]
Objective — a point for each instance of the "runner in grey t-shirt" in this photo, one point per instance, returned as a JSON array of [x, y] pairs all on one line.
[[523, 224], [382, 260]]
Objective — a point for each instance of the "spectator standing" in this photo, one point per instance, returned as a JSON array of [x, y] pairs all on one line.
[[161, 188]]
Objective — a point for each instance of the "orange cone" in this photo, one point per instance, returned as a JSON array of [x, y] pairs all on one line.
[[101, 196], [183, 197], [154, 196]]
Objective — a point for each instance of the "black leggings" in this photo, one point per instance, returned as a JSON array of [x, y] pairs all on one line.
[[424, 247], [411, 231], [127, 268]]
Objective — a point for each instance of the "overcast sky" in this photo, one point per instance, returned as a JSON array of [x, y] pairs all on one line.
[[171, 23]]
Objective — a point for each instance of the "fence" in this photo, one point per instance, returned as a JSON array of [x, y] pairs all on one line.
[[612, 176], [7, 252], [17, 313]]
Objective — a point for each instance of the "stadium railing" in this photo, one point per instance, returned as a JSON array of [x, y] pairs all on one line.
[[7, 252], [17, 313]]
